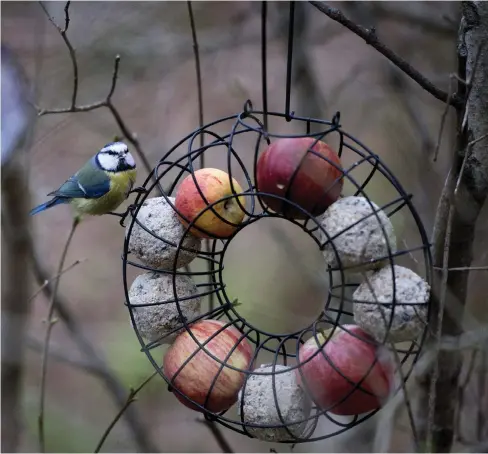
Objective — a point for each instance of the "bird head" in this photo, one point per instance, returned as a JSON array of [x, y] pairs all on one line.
[[115, 157]]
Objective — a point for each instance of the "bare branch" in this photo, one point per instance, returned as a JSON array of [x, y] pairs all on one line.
[[132, 138], [369, 35], [216, 432], [72, 54], [475, 141], [465, 268], [443, 121], [48, 281], [130, 398], [107, 102], [66, 17], [50, 323], [438, 335], [364, 12], [468, 178], [114, 78], [113, 385]]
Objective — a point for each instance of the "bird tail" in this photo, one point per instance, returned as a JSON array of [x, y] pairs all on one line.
[[44, 206]]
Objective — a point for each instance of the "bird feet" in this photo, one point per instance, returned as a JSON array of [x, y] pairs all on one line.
[[123, 216], [131, 207], [138, 190]]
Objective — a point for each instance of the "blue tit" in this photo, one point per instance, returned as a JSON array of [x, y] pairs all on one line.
[[100, 186]]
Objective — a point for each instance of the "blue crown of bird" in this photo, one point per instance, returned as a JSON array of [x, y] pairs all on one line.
[[100, 186]]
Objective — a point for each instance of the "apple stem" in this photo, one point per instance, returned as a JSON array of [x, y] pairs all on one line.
[[324, 333]]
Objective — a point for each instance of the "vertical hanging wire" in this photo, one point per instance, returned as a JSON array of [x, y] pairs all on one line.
[[200, 123], [264, 72], [199, 77], [289, 60]]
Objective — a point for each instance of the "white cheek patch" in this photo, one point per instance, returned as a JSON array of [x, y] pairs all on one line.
[[129, 159], [108, 162], [118, 147]]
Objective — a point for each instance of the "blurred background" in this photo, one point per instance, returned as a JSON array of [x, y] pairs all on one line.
[[157, 97]]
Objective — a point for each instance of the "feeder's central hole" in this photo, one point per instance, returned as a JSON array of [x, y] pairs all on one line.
[[278, 275]]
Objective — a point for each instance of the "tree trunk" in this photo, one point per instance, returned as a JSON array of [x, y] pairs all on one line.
[[459, 212], [18, 118]]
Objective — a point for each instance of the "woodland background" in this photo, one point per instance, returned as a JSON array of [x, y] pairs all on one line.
[[157, 97]]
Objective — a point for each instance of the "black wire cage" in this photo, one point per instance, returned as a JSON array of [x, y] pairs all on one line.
[[290, 424]]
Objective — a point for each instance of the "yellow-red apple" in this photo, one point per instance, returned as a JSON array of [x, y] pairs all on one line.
[[287, 169], [353, 357], [197, 376], [214, 184]]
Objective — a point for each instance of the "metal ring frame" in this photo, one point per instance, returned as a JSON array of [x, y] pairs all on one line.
[[284, 346]]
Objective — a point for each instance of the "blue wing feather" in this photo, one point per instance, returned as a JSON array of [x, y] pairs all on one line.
[[48, 204], [90, 182]]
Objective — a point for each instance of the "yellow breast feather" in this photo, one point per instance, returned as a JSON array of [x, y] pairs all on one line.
[[121, 184]]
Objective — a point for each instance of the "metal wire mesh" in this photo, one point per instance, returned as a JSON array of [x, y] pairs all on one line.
[[182, 160]]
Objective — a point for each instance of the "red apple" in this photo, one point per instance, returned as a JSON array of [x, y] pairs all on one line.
[[353, 357], [214, 184], [197, 376], [317, 183]]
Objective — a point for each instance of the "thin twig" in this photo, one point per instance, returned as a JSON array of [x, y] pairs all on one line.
[[72, 54], [464, 268], [221, 441], [131, 137], [364, 12], [443, 292], [48, 281], [130, 398], [475, 141], [443, 121], [107, 102], [370, 37], [114, 78], [112, 383], [50, 324], [440, 316]]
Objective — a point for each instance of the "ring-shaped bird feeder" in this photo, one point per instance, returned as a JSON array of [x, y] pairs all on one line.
[[380, 287]]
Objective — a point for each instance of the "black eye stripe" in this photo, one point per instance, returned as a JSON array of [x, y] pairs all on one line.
[[110, 152]]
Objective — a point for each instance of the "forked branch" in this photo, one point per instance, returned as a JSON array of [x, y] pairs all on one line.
[[106, 102]]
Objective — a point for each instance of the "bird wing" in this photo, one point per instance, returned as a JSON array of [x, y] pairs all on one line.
[[88, 183]]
